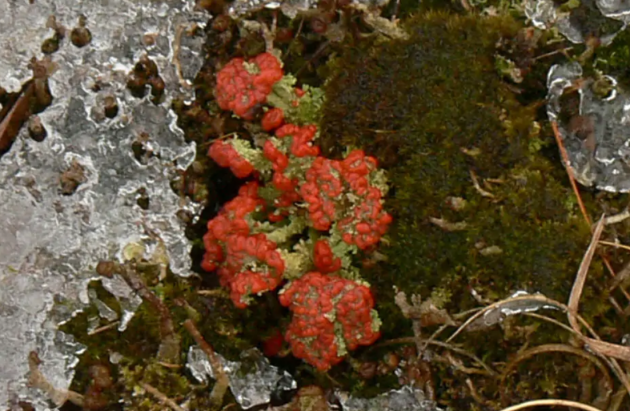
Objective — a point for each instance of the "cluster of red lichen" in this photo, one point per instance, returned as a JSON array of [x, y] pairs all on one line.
[[340, 200], [246, 263], [241, 85], [318, 303], [226, 156]]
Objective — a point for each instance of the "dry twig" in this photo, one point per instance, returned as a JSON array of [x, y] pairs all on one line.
[[567, 166], [550, 402], [546, 348], [37, 380], [413, 340], [222, 381], [161, 397], [169, 351]]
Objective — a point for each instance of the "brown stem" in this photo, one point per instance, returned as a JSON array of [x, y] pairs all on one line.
[[161, 397], [169, 351], [222, 381]]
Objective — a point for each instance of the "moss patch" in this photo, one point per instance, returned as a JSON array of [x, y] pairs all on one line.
[[436, 113]]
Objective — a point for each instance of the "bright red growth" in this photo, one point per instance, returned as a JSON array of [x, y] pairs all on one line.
[[355, 169], [246, 264], [367, 223], [272, 119], [284, 184], [242, 85], [302, 143], [324, 259], [321, 189], [226, 155], [327, 311], [257, 252]]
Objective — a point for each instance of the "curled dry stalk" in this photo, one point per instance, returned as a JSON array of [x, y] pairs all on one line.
[[543, 301], [613, 351], [608, 352], [551, 402], [563, 348]]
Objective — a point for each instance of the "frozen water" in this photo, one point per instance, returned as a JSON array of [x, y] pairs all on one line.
[[594, 127], [577, 24], [252, 380], [50, 243], [406, 398]]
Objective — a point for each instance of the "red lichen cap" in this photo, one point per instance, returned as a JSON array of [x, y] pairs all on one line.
[[323, 257], [368, 222], [242, 85], [230, 247], [321, 189], [226, 155], [272, 119], [302, 143], [318, 302], [355, 169]]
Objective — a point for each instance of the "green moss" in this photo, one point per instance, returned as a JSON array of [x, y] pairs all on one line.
[[435, 112], [135, 379], [615, 58]]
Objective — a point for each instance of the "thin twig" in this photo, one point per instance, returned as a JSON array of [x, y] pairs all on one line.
[[205, 347], [616, 245], [611, 362], [169, 349], [217, 292], [552, 53], [412, 340], [615, 351], [550, 402], [547, 348], [618, 218], [10, 125], [37, 380], [538, 298], [567, 166], [161, 397], [474, 393], [103, 328], [222, 381]]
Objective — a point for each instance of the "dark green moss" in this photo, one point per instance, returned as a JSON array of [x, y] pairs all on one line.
[[615, 58], [437, 115]]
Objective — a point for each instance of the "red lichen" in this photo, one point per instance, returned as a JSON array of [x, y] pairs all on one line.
[[324, 258], [257, 252], [230, 221], [287, 186], [246, 264], [322, 187], [355, 169], [322, 305], [241, 86], [302, 139], [272, 119], [367, 223], [225, 155]]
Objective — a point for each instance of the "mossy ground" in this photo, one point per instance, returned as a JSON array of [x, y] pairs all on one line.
[[435, 111], [437, 114]]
